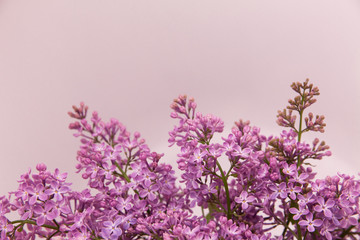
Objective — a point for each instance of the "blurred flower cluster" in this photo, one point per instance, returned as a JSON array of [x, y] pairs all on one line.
[[267, 191]]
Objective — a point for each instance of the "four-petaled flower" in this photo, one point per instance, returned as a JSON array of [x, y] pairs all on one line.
[[244, 199], [111, 229], [310, 223], [298, 212], [324, 207]]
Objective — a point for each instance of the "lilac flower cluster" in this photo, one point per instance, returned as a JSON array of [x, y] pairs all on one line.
[[268, 191]]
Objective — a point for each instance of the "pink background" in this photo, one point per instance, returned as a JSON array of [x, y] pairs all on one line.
[[129, 59]]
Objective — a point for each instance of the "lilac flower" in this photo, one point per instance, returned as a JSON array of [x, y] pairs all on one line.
[[233, 230], [289, 170], [149, 191], [326, 230], [238, 151], [191, 181], [310, 223], [82, 234], [60, 177], [348, 218], [298, 212], [44, 213], [209, 189], [292, 190], [304, 200], [22, 193], [244, 200], [56, 190], [5, 227], [37, 193], [229, 147], [299, 178], [93, 170], [350, 195], [124, 204], [135, 196], [148, 177], [128, 221], [318, 186], [198, 156], [112, 229], [191, 233], [324, 207], [107, 170], [80, 218], [278, 190], [60, 208]]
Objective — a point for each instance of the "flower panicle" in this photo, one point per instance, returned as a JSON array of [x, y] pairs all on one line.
[[265, 183]]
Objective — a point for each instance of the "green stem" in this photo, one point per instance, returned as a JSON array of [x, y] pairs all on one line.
[[125, 176], [305, 234], [300, 127], [285, 228], [224, 179], [228, 173], [202, 211], [346, 232], [122, 172], [298, 231], [34, 223]]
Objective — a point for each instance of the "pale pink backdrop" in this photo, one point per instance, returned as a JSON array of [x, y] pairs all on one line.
[[129, 59]]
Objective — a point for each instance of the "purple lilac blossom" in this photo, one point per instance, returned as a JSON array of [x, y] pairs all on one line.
[[132, 194]]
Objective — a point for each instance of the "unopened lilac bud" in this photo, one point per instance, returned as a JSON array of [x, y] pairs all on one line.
[[113, 203], [212, 224], [248, 234], [192, 105], [73, 115], [143, 156], [136, 134], [182, 165], [274, 176], [335, 179], [182, 98], [153, 165], [141, 228], [64, 228], [174, 115], [75, 125], [182, 109], [75, 108], [328, 180], [177, 230], [166, 236], [174, 106], [273, 162], [41, 167]]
